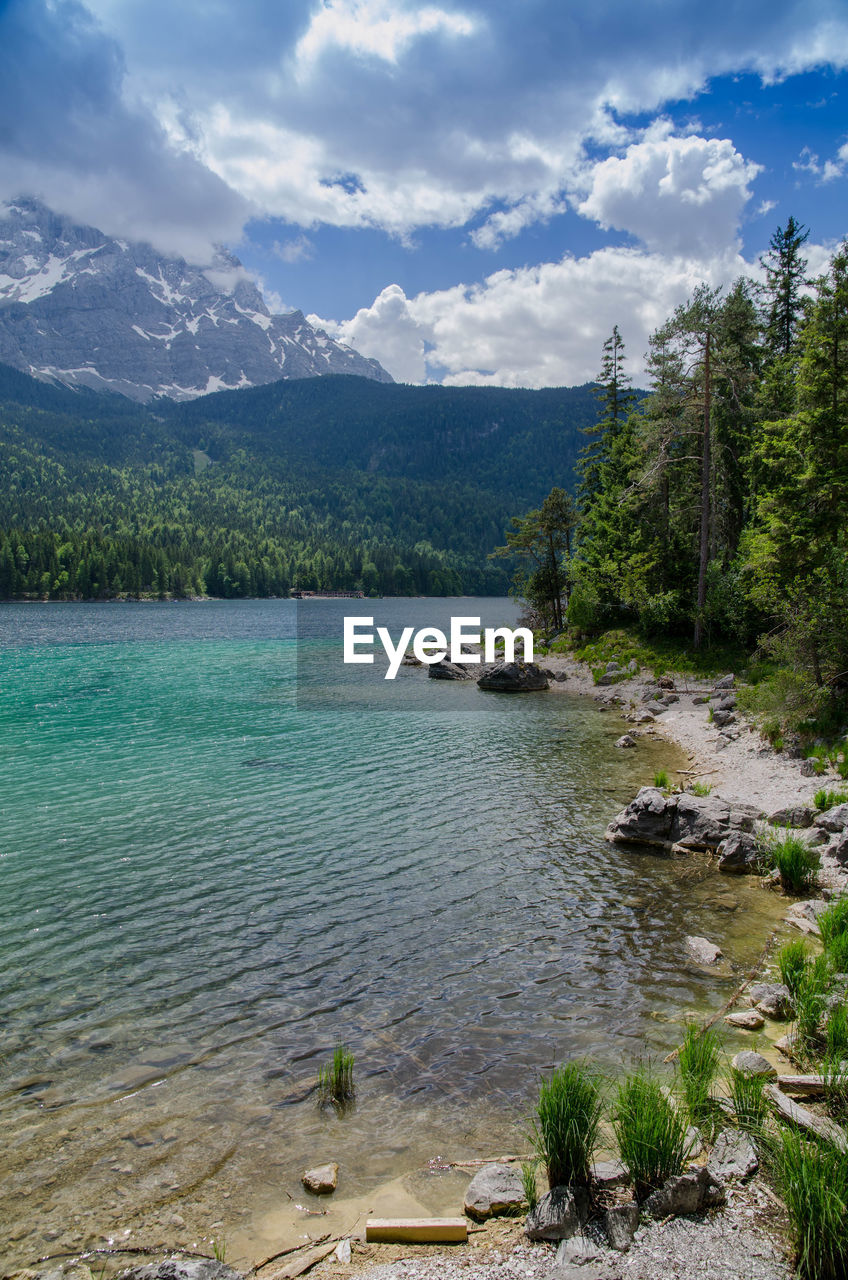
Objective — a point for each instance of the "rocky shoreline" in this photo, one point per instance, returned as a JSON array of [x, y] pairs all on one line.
[[736, 1228]]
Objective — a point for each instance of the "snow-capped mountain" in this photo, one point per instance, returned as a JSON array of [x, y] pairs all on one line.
[[80, 308]]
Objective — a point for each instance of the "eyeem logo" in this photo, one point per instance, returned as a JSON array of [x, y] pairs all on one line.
[[432, 645]]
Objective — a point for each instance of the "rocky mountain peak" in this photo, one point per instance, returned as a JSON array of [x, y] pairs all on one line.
[[81, 308]]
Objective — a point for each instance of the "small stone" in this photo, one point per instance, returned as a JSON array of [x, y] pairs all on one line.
[[622, 1223], [704, 951], [798, 815], [577, 1251], [835, 819], [610, 1173], [694, 1144], [445, 670], [495, 1189], [555, 1216], [747, 1019], [753, 1064], [700, 699], [733, 1156], [322, 1180], [726, 682], [737, 853], [626, 740], [786, 1044], [722, 718]]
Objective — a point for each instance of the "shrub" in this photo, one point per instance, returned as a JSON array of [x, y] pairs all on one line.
[[813, 1181], [661, 779], [565, 1126], [747, 1097], [698, 1062], [335, 1078], [792, 961], [650, 1131]]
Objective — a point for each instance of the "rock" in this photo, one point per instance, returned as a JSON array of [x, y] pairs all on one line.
[[494, 1190], [513, 677], [737, 854], [689, 1192], [723, 741], [771, 998], [835, 819], [445, 670], [644, 717], [839, 851], [182, 1269], [322, 1180], [796, 815], [733, 1156], [610, 1173], [622, 1223], [626, 740], [694, 1143], [802, 1118], [693, 822], [577, 1251], [665, 682], [699, 699], [804, 915], [722, 718], [704, 951], [747, 1019], [811, 767], [410, 660], [752, 1064], [555, 1216], [613, 668], [633, 667], [560, 676], [726, 682], [814, 837], [725, 702]]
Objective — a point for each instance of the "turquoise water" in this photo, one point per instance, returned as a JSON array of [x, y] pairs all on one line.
[[206, 881]]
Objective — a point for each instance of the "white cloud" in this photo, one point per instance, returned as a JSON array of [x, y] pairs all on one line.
[[376, 28], [533, 327], [827, 171], [681, 195], [298, 249]]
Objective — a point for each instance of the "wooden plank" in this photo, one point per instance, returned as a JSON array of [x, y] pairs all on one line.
[[416, 1230]]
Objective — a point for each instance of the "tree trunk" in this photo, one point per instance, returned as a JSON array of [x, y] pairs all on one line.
[[705, 505]]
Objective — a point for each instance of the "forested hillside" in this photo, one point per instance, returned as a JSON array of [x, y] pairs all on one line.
[[317, 483]]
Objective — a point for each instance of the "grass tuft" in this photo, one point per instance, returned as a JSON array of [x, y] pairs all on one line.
[[825, 799], [700, 788], [698, 1062], [335, 1078], [797, 863], [651, 1132], [833, 921], [662, 780], [792, 961], [748, 1099], [565, 1126], [813, 1181], [529, 1183]]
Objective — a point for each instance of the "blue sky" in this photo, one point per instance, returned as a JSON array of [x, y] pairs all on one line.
[[469, 191]]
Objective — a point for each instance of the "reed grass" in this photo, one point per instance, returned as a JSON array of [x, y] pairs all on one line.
[[565, 1125], [529, 1183], [833, 921], [792, 961], [650, 1131], [747, 1096], [797, 863], [335, 1078], [662, 780], [813, 1181], [698, 1063]]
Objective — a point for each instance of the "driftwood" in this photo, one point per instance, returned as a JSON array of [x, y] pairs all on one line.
[[284, 1253], [478, 1164], [820, 1126], [807, 1085], [303, 1263], [416, 1230]]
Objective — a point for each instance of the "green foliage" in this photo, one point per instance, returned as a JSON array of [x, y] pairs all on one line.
[[792, 963], [650, 1131], [219, 1250], [813, 1183], [824, 799], [747, 1096], [810, 1003], [698, 1063], [529, 1183], [833, 921], [335, 1078], [565, 1125], [700, 788], [661, 779], [541, 541], [836, 1034]]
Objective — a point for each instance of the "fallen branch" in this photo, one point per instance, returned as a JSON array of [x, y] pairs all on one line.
[[284, 1253]]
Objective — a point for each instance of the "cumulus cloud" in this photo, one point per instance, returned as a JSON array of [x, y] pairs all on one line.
[[533, 327], [827, 171], [681, 195], [69, 138]]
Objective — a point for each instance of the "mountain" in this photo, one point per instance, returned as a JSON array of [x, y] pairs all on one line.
[[325, 483], [82, 309]]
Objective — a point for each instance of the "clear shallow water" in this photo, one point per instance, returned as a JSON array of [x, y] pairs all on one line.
[[206, 881]]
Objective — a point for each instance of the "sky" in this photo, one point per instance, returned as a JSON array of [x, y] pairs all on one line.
[[471, 191]]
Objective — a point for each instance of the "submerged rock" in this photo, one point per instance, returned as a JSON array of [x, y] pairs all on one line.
[[704, 951], [626, 740], [747, 1019], [495, 1189], [771, 998], [514, 677], [322, 1180], [738, 854]]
